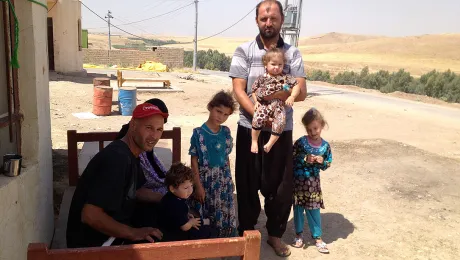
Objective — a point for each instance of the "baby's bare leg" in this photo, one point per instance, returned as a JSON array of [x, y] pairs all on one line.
[[258, 121], [268, 146], [255, 136]]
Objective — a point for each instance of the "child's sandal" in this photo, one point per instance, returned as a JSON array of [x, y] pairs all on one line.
[[298, 242], [322, 248]]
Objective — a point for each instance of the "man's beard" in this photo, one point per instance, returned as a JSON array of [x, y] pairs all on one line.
[[268, 35]]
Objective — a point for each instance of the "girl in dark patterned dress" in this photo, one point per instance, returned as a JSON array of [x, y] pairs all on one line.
[[311, 154], [210, 146]]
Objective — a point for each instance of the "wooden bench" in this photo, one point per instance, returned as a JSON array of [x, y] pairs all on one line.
[[73, 138], [121, 80], [248, 247]]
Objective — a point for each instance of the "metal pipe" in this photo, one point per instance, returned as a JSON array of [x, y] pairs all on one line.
[[16, 103], [9, 72], [195, 41]]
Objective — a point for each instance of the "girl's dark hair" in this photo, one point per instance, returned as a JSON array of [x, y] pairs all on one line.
[[273, 51], [311, 115], [154, 101], [222, 98], [178, 174]]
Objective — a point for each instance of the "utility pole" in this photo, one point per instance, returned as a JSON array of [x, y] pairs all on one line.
[[290, 31], [109, 15], [195, 41]]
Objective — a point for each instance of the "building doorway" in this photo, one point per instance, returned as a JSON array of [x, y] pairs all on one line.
[[50, 43]]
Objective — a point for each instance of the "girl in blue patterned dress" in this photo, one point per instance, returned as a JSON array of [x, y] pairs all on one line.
[[210, 147], [311, 154]]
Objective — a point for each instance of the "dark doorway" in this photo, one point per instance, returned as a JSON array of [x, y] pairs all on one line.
[[50, 44]]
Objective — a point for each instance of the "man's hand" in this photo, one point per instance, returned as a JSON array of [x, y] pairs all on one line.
[[281, 95], [146, 233]]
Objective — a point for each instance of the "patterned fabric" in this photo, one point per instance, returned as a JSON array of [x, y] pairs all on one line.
[[154, 182], [266, 85], [212, 150], [247, 64], [307, 184], [274, 109]]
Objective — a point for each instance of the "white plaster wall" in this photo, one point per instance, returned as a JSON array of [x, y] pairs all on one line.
[[23, 216], [26, 201], [67, 56]]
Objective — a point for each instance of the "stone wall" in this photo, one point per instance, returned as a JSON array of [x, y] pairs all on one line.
[[172, 57]]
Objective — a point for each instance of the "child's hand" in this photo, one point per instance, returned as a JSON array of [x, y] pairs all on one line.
[[199, 193], [290, 101], [195, 222], [190, 216], [310, 158], [319, 159]]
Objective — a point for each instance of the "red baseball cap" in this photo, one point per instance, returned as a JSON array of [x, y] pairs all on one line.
[[146, 110]]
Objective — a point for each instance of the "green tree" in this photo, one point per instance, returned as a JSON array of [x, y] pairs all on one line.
[[210, 59]]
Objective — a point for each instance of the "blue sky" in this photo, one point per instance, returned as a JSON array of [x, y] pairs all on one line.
[[389, 17]]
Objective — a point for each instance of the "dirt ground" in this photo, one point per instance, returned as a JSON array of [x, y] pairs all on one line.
[[391, 191]]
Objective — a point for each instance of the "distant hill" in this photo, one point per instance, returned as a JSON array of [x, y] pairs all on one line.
[[338, 52], [335, 38], [417, 54]]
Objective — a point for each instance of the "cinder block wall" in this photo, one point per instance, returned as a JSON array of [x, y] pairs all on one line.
[[171, 57]]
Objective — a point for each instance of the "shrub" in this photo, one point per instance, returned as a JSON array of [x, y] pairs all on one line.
[[347, 78], [319, 75], [442, 85], [211, 60]]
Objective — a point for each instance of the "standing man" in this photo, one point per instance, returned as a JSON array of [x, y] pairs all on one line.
[[271, 173], [103, 204]]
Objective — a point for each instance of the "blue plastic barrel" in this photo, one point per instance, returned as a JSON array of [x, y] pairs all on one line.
[[127, 100]]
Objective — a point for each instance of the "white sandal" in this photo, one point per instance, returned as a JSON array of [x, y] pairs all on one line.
[[298, 242], [322, 247]]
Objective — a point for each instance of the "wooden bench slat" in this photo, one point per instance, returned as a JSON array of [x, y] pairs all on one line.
[[248, 247], [73, 138], [146, 79]]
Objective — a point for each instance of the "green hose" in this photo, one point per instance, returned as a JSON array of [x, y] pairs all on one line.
[[14, 57], [39, 3]]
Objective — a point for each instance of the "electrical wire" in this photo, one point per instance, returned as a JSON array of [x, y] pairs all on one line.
[[172, 11], [214, 35], [153, 17], [224, 30], [112, 24]]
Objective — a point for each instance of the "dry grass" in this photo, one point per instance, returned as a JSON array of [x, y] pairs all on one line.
[[339, 52]]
